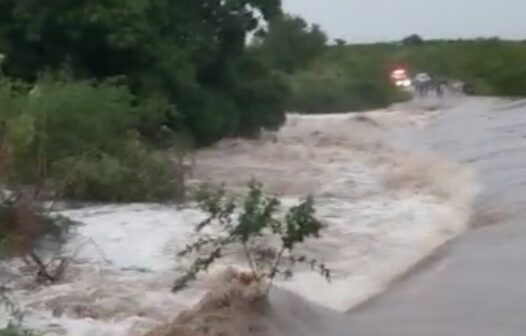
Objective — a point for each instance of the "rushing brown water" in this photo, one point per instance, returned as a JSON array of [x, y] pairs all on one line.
[[288, 314], [386, 206], [476, 285]]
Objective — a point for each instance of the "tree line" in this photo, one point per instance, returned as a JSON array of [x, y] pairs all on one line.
[[104, 86]]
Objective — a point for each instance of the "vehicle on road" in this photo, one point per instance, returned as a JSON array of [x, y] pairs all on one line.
[[400, 78]]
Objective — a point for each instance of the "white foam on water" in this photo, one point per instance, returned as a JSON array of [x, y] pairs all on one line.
[[119, 282], [131, 236], [386, 209], [370, 243]]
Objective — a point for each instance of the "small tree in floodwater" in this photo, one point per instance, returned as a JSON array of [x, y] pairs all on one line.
[[268, 241]]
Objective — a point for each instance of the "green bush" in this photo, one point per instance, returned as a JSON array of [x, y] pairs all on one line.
[[356, 77], [252, 224], [336, 94], [136, 174], [14, 331], [290, 43], [62, 118], [342, 82], [189, 53], [492, 66], [79, 136], [80, 116]]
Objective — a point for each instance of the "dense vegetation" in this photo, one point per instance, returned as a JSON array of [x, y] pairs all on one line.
[[343, 81], [77, 139], [289, 44], [90, 91], [324, 78], [188, 53], [356, 77], [493, 66]]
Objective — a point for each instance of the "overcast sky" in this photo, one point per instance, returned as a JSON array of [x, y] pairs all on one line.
[[380, 20]]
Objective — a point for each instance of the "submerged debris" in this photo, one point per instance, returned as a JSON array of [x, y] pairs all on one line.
[[231, 308]]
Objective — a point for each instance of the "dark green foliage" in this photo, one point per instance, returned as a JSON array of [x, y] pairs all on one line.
[[66, 119], [262, 95], [77, 138], [492, 66], [176, 72], [340, 81], [340, 42], [290, 43], [413, 40], [79, 117], [14, 331], [188, 53], [313, 93], [257, 214], [323, 79], [135, 174], [252, 226], [300, 224], [356, 77]]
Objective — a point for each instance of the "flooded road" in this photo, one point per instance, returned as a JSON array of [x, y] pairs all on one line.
[[477, 284]]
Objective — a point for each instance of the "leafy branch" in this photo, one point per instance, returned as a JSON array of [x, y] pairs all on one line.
[[253, 226]]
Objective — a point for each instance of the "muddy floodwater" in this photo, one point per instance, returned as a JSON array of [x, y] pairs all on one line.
[[423, 208], [477, 284]]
